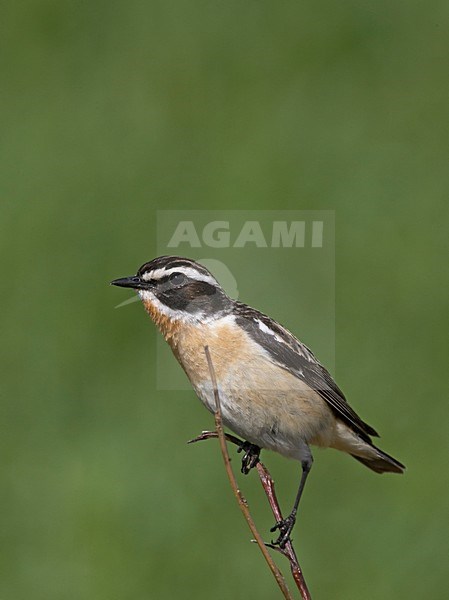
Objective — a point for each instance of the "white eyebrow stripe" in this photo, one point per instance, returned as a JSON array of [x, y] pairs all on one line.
[[187, 271]]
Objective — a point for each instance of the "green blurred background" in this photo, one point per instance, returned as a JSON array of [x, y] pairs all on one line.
[[113, 110]]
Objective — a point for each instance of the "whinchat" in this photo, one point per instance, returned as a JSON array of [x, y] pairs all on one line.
[[274, 393]]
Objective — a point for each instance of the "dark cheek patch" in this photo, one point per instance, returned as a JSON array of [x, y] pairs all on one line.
[[195, 297]]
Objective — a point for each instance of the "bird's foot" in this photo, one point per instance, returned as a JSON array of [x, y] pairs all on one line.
[[250, 458], [285, 527]]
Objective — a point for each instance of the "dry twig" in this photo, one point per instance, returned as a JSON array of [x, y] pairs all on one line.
[[288, 551], [238, 494], [268, 486]]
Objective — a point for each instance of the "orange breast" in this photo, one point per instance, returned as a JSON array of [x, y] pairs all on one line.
[[168, 327], [227, 343], [256, 394]]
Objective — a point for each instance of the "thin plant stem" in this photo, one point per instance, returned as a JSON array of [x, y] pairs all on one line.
[[243, 504], [288, 551]]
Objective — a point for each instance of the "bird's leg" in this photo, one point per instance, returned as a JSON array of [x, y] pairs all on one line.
[[251, 456], [286, 525]]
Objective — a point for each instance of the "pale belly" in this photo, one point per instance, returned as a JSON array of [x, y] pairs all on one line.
[[261, 402]]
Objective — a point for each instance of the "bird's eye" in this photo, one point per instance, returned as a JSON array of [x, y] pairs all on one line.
[[177, 278]]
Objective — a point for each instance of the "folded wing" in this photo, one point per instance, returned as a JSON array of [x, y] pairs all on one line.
[[290, 354]]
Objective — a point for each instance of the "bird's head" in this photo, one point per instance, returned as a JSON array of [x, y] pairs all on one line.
[[180, 288]]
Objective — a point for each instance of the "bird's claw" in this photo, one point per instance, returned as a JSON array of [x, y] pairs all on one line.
[[285, 527], [250, 458]]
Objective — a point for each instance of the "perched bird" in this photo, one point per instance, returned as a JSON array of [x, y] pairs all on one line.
[[273, 391]]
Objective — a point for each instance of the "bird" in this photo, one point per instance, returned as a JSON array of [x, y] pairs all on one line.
[[273, 391]]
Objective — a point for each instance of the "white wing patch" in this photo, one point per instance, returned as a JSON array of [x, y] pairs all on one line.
[[268, 330], [299, 348]]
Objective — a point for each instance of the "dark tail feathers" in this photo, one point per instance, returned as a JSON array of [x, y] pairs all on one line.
[[382, 463]]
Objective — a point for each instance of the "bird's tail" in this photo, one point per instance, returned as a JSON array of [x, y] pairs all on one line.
[[381, 462]]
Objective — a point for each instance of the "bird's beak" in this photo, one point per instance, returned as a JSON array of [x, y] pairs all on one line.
[[134, 282]]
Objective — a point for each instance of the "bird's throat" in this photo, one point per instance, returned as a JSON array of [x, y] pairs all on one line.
[[169, 327]]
